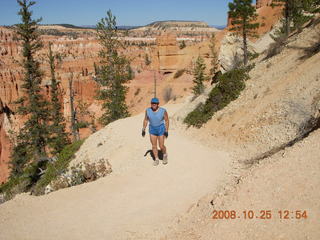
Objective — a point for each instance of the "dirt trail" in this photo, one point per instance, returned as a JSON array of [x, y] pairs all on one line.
[[137, 200]]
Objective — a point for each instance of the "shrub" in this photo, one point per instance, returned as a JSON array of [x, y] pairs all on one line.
[[253, 55], [179, 73], [54, 169], [228, 89], [23, 182], [82, 124]]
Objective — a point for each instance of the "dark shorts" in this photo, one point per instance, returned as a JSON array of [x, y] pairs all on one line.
[[157, 130]]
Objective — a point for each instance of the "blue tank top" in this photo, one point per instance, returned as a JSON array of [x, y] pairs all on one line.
[[156, 118]]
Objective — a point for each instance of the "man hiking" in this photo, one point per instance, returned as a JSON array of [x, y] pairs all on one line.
[[158, 129]]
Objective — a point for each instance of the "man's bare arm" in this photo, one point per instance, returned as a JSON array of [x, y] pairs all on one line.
[[166, 118], [145, 122]]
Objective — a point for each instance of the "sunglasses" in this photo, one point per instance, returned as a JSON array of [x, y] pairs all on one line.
[[154, 103]]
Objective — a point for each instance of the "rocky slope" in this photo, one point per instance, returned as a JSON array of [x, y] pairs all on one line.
[[283, 95], [267, 130]]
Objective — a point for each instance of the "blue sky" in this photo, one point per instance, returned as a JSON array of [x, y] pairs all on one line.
[[134, 12]]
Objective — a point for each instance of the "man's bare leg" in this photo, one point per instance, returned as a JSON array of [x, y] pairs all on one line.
[[163, 149], [153, 140], [161, 144]]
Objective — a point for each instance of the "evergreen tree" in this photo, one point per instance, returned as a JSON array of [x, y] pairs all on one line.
[[32, 138], [59, 137], [114, 71], [243, 16], [294, 13], [199, 76], [287, 14], [214, 54]]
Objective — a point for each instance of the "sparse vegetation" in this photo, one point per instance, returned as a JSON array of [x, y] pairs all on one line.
[[57, 167], [179, 73], [228, 89], [55, 32], [32, 179], [253, 55]]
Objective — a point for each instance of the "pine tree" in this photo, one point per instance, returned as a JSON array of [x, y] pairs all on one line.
[[214, 55], [199, 76], [32, 138], [114, 71], [243, 16], [294, 13], [59, 137]]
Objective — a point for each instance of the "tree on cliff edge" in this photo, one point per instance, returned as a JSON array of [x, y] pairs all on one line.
[[213, 55], [113, 71], [243, 16], [33, 137], [294, 13], [59, 137], [198, 76]]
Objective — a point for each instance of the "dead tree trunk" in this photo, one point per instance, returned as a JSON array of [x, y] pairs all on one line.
[[73, 113]]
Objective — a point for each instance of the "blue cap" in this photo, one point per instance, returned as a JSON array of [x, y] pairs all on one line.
[[155, 100]]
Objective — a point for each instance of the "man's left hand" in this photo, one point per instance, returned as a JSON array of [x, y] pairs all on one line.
[[166, 134]]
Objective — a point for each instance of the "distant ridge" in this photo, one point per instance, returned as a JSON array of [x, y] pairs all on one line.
[[220, 27], [181, 23], [125, 27]]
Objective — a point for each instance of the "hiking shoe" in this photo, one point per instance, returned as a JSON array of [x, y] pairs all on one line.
[[156, 162], [165, 159]]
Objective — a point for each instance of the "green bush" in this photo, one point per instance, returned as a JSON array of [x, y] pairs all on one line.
[[32, 180], [22, 182], [228, 89], [57, 167], [253, 55], [81, 124]]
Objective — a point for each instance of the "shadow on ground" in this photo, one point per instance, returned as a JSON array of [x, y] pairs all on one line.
[[160, 154]]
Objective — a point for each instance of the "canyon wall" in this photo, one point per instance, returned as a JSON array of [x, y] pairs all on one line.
[[268, 16], [78, 57]]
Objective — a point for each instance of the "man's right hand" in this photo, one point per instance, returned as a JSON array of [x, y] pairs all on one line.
[[143, 132]]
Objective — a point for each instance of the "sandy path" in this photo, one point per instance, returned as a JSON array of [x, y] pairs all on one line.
[[136, 201]]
